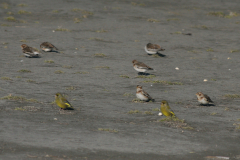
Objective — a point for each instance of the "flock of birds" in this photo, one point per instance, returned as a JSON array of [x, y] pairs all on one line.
[[34, 53], [144, 96], [140, 67]]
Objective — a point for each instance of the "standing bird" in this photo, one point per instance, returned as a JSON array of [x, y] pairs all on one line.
[[140, 67], [29, 51], [142, 95], [62, 102], [153, 48], [203, 98], [166, 110], [48, 47]]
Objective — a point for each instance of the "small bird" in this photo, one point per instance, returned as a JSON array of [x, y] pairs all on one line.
[[29, 51], [153, 48], [203, 98], [48, 47], [142, 95], [140, 67], [166, 110], [62, 102]]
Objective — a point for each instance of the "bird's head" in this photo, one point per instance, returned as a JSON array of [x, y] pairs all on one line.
[[23, 46], [134, 61], [57, 95], [164, 102], [139, 87], [199, 94]]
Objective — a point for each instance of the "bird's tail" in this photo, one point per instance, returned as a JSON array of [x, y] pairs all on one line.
[[70, 108], [153, 100], [54, 47]]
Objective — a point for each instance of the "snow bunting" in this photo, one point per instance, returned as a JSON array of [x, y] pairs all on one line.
[[166, 110], [48, 47], [142, 95], [29, 51], [140, 67], [153, 48], [203, 98], [62, 102]]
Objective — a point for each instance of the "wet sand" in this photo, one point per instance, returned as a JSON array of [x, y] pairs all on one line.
[[93, 67]]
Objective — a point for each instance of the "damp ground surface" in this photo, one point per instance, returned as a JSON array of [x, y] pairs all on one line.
[[97, 40]]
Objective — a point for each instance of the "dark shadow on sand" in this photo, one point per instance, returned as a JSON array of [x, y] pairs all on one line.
[[157, 55], [144, 74], [206, 105]]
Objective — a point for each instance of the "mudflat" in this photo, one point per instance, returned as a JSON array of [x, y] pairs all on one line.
[[97, 41]]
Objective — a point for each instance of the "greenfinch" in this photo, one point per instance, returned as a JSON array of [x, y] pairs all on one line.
[[166, 110], [62, 102]]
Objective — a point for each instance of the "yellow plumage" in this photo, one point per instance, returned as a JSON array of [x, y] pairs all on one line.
[[62, 102], [166, 110]]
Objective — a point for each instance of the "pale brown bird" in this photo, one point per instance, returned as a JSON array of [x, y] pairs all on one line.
[[48, 47], [140, 67], [203, 98], [29, 51], [142, 95], [153, 48]]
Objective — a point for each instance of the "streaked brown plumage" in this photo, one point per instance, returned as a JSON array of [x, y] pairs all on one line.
[[153, 48], [48, 47], [142, 95], [203, 98], [29, 51], [140, 66]]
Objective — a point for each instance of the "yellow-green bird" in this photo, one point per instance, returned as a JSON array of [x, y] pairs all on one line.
[[62, 102], [166, 110]]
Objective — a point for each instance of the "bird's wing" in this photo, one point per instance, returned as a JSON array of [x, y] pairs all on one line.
[[27, 50], [208, 98], [65, 101], [141, 65], [52, 46], [155, 46], [170, 110], [35, 51], [146, 94]]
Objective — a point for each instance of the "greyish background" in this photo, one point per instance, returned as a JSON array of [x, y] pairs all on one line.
[[119, 30]]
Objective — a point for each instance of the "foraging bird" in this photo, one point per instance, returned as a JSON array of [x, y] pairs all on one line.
[[29, 51], [142, 95], [48, 47], [153, 48], [62, 102], [166, 110], [203, 98], [140, 67]]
